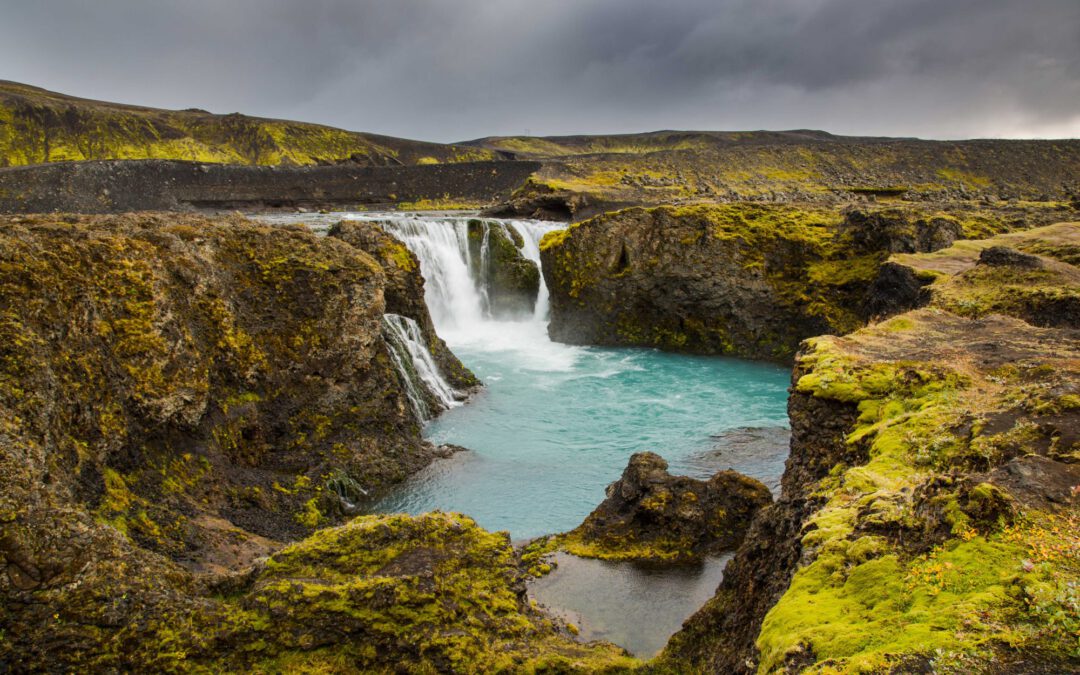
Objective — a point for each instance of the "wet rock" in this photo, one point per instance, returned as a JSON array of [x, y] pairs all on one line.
[[510, 281], [651, 515], [404, 293]]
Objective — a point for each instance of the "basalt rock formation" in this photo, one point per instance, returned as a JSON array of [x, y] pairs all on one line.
[[510, 280], [929, 516], [654, 516], [742, 279]]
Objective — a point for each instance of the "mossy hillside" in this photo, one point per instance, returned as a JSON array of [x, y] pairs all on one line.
[[925, 553], [38, 126], [589, 175], [432, 593], [198, 384]]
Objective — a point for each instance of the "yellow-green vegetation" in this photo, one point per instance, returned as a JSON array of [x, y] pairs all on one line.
[[684, 167], [434, 592], [445, 203], [40, 126], [921, 551], [166, 357], [797, 260]]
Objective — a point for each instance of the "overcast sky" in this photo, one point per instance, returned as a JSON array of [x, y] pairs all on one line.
[[447, 70]]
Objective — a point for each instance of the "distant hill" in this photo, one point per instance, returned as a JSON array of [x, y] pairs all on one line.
[[553, 147], [38, 126]]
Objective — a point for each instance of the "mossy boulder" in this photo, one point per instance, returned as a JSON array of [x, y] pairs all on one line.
[[509, 281], [650, 515]]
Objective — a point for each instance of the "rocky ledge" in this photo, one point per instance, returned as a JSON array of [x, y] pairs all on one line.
[[743, 279], [180, 397]]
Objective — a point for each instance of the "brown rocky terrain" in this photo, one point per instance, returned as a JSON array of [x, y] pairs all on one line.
[[928, 520], [181, 397]]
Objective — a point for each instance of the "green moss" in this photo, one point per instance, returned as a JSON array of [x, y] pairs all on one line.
[[38, 126], [864, 604]]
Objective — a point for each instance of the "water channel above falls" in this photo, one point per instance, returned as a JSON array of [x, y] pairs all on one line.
[[555, 424]]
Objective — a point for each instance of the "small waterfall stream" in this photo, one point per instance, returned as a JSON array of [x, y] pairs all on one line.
[[456, 297], [416, 365]]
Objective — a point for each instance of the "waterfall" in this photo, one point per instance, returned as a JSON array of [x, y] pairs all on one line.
[[454, 288], [418, 370], [532, 231]]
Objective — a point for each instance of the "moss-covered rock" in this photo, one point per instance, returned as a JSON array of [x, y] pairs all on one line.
[[743, 279], [196, 383], [929, 514], [651, 515], [434, 593], [509, 281], [404, 294]]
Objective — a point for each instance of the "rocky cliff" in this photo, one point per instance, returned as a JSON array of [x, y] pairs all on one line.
[[744, 279], [181, 396], [929, 514]]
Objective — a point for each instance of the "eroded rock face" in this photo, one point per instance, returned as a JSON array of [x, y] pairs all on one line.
[[179, 397], [651, 515], [731, 279]]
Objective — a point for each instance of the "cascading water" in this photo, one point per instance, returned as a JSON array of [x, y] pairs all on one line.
[[417, 367], [556, 423]]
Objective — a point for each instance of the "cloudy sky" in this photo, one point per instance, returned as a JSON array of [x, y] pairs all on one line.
[[448, 70]]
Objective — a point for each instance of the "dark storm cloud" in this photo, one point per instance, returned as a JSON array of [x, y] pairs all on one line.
[[453, 69]]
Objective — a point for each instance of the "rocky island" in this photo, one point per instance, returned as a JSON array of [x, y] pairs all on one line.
[[206, 416]]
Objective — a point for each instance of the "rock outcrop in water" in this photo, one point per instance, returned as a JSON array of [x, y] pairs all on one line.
[[651, 515], [929, 516], [742, 279]]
